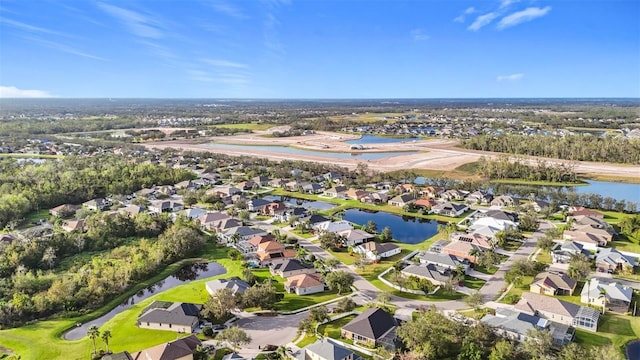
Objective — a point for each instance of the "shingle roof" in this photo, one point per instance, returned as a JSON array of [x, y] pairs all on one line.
[[326, 350], [303, 281], [291, 265], [555, 280], [178, 314], [531, 302], [236, 285], [169, 351], [593, 289], [373, 323]]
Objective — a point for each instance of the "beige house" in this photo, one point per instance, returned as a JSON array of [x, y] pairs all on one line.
[[181, 349], [178, 317], [373, 327], [304, 284], [553, 283]]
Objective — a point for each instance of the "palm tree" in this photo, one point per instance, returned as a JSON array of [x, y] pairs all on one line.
[[93, 333], [603, 296], [106, 334], [283, 351]]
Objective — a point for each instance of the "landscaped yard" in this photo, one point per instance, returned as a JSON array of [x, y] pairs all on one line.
[[486, 270], [512, 245], [613, 329], [42, 339], [473, 283], [544, 257], [518, 290], [332, 329]]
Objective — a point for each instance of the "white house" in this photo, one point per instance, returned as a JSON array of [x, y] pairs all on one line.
[[617, 297], [376, 251]]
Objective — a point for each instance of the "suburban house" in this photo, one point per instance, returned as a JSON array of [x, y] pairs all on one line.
[[449, 209], [557, 310], [73, 225], [316, 220], [432, 191], [453, 194], [479, 197], [616, 297], [437, 275], [179, 317], [472, 238], [240, 233], [563, 252], [402, 200], [443, 260], [352, 237], [273, 252], [504, 201], [516, 326], [261, 180], [97, 204], [580, 210], [291, 267], [375, 198], [254, 205], [594, 222], [355, 194], [325, 350], [333, 226], [272, 209], [286, 214], [181, 349], [193, 213], [64, 210], [238, 286], [373, 327], [538, 205], [312, 188], [376, 251], [335, 192], [251, 245], [438, 245], [611, 260], [463, 250], [304, 284], [588, 240], [209, 220], [160, 206], [553, 283]]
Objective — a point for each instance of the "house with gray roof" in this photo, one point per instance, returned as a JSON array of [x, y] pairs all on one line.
[[291, 267], [325, 349], [557, 310], [238, 286], [612, 260], [178, 317], [373, 327], [437, 275], [516, 326], [449, 209], [443, 260], [616, 297], [563, 252]]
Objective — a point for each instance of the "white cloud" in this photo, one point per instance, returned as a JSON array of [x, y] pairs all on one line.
[[482, 21], [228, 9], [522, 16], [14, 92], [30, 28], [512, 77], [64, 48], [224, 63], [135, 22], [462, 17], [505, 3], [419, 35]]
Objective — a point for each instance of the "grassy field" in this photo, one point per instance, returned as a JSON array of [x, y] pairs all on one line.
[[43, 339], [518, 290], [250, 126], [613, 329], [544, 257]]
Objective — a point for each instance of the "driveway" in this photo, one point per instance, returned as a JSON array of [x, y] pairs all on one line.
[[273, 330]]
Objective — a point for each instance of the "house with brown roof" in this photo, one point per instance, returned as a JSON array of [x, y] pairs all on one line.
[[580, 210], [553, 283], [335, 192], [590, 240], [504, 201], [557, 310], [373, 327], [355, 194], [473, 238], [375, 198], [211, 219], [64, 210], [181, 349], [304, 284], [375, 251], [273, 252], [463, 250], [73, 225]]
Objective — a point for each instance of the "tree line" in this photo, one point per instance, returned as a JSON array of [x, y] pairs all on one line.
[[25, 187], [570, 147], [505, 168]]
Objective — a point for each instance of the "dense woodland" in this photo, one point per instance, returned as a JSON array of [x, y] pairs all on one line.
[[571, 147], [506, 168], [73, 180]]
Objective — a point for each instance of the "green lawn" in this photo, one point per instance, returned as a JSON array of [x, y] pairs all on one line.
[[486, 270], [518, 290], [632, 245], [33, 217], [43, 339], [306, 340], [512, 245], [473, 283], [544, 257], [613, 329], [291, 301], [332, 329]]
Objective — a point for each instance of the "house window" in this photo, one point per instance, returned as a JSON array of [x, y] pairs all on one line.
[[169, 326]]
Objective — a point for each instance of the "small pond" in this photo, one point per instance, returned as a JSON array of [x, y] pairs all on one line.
[[183, 275], [633, 350], [326, 154], [405, 229], [307, 204], [373, 139]]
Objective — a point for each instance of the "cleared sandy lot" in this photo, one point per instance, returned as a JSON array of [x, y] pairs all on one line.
[[436, 154]]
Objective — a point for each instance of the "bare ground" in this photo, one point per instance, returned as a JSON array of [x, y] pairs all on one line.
[[436, 154]]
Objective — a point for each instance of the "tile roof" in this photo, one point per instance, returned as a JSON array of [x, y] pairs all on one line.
[[303, 281]]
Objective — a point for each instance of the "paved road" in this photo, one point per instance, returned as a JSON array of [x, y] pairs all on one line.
[[273, 330], [496, 283]]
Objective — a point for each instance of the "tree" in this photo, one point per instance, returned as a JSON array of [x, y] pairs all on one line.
[[93, 333], [386, 234], [528, 222], [235, 337], [608, 352], [545, 243], [503, 350], [579, 267], [339, 280], [383, 297], [306, 325], [249, 276], [218, 307], [344, 305], [283, 351], [106, 335], [262, 295], [328, 240], [331, 263], [538, 343], [430, 334], [474, 299], [573, 351], [319, 314], [371, 227]]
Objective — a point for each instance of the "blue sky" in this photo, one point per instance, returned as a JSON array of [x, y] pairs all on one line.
[[320, 49]]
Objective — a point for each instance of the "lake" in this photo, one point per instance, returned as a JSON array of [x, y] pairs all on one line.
[[405, 229], [372, 139], [184, 275], [336, 155], [633, 350], [307, 204], [616, 190]]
